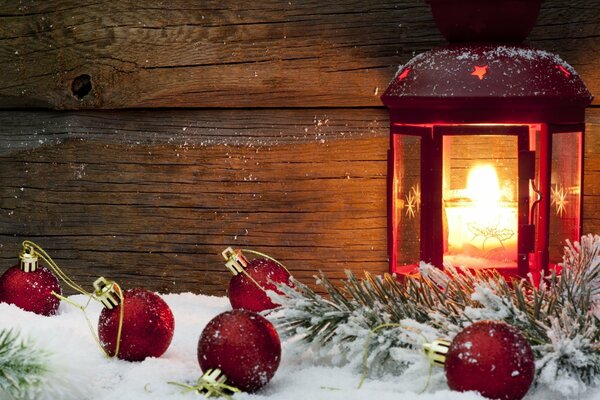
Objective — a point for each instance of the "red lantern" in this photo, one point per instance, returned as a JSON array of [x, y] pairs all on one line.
[[485, 165]]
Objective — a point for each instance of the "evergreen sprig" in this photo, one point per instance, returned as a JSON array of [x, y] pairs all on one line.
[[23, 367], [556, 316]]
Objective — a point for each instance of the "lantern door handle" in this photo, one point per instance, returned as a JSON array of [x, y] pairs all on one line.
[[536, 202]]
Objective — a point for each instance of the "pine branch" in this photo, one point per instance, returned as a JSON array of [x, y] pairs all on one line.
[[335, 326], [23, 367], [556, 317]]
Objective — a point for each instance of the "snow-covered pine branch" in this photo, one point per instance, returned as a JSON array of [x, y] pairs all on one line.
[[556, 316], [30, 371], [23, 367]]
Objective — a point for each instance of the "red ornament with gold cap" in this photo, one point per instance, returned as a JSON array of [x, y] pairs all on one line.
[[253, 278], [134, 323], [238, 350], [490, 357], [30, 286]]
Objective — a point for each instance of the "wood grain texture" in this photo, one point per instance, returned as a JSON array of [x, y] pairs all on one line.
[[232, 53], [151, 198]]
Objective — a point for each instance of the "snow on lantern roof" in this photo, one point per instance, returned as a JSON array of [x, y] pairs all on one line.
[[479, 78], [529, 83]]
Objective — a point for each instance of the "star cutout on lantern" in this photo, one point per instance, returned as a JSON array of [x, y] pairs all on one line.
[[480, 71], [404, 74], [417, 193], [411, 205], [564, 70], [559, 199]]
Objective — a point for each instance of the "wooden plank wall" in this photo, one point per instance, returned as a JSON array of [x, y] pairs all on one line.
[[138, 139]]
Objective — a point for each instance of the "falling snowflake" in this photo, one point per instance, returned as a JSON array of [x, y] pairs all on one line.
[[559, 199]]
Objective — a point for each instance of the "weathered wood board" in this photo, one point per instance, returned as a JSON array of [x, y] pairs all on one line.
[[69, 54], [151, 198]]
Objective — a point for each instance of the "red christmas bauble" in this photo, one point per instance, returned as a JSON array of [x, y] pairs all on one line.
[[148, 326], [31, 291], [245, 294], [492, 358], [244, 346]]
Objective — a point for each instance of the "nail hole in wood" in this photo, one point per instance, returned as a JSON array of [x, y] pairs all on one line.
[[81, 86]]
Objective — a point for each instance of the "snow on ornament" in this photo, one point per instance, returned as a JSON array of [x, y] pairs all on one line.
[[490, 357], [238, 348], [134, 324], [252, 279], [30, 286]]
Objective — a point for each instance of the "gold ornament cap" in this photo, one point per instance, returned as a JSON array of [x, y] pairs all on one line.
[[234, 260], [28, 259], [436, 351], [107, 292], [212, 383]]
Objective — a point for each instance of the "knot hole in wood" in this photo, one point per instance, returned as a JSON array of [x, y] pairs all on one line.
[[81, 86]]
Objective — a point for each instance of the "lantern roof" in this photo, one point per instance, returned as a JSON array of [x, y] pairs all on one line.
[[523, 81]]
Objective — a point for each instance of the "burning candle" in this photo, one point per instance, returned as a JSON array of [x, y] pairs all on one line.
[[481, 220]]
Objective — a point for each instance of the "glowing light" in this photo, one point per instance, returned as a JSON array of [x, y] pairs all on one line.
[[404, 74], [482, 218], [482, 185], [564, 70], [480, 71]]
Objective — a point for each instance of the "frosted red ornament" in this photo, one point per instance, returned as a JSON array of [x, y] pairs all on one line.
[[251, 280], [492, 358], [29, 286], [244, 346], [148, 323]]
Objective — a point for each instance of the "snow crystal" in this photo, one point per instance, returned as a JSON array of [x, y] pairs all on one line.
[[531, 64], [85, 373]]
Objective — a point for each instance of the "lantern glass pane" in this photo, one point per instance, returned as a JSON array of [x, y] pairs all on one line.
[[565, 190], [480, 193], [407, 199]]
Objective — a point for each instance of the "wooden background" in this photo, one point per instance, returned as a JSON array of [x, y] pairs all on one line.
[[138, 139]]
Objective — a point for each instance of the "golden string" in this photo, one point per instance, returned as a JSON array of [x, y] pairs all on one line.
[[265, 256], [253, 280], [366, 352], [73, 285], [64, 277], [121, 317], [209, 388]]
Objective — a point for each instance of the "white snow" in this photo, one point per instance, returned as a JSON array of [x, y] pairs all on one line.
[[86, 374]]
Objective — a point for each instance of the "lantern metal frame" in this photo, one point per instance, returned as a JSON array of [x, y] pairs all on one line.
[[485, 89]]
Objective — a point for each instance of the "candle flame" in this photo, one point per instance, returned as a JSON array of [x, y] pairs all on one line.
[[481, 217], [483, 187]]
